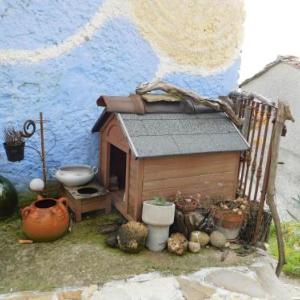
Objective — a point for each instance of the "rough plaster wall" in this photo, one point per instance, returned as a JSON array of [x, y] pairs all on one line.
[[59, 56], [283, 82]]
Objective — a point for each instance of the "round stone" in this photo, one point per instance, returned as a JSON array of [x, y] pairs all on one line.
[[217, 239], [37, 185], [194, 247], [200, 237]]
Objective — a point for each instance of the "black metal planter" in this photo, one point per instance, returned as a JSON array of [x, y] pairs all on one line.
[[14, 152]]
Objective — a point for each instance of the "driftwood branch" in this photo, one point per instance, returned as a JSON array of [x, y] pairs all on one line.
[[283, 114], [175, 92], [160, 97]]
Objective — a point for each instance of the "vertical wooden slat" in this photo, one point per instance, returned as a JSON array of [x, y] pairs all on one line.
[[256, 146], [140, 189], [248, 111], [264, 187], [262, 153], [249, 153], [127, 180]]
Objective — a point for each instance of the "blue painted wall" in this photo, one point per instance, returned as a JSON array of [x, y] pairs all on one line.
[[65, 87]]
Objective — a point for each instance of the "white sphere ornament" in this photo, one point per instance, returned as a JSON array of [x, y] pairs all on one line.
[[36, 185]]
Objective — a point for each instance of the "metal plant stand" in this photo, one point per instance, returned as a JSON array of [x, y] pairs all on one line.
[[29, 128]]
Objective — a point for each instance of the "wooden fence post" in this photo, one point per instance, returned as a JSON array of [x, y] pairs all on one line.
[[283, 114]]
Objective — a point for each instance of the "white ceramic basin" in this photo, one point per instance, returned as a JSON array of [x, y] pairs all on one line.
[[159, 215], [158, 219], [75, 175]]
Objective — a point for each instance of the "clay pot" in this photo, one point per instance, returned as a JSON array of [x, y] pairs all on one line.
[[45, 219], [228, 222], [228, 219]]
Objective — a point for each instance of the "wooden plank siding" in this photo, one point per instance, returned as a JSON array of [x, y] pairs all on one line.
[[207, 174], [135, 188]]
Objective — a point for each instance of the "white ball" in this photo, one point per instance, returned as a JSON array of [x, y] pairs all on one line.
[[36, 185]]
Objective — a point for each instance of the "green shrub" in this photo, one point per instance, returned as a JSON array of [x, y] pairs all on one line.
[[291, 233]]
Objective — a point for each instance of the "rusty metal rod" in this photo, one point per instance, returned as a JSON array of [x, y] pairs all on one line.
[[43, 155]]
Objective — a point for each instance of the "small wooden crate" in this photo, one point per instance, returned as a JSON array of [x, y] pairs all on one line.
[[83, 199]]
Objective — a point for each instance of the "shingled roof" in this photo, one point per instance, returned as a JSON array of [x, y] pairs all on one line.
[[159, 134]]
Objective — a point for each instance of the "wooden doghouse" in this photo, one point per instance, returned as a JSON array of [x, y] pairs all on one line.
[[158, 154]]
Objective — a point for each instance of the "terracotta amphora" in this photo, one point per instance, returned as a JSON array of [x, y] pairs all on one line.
[[46, 219]]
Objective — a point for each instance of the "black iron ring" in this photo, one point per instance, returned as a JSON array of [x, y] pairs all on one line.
[[28, 132]]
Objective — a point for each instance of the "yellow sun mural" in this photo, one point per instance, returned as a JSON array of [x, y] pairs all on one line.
[[199, 33]]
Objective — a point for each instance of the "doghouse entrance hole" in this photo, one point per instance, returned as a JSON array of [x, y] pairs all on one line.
[[117, 168]]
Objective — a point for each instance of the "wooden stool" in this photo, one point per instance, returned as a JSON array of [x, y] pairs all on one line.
[[87, 198]]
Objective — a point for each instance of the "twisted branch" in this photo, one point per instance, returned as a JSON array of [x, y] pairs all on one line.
[[174, 93]]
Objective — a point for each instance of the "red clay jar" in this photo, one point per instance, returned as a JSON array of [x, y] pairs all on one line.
[[46, 219], [228, 219]]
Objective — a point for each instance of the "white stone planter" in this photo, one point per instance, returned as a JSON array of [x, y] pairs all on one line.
[[158, 219]]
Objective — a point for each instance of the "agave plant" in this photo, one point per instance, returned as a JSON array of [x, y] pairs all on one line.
[[159, 201], [13, 136]]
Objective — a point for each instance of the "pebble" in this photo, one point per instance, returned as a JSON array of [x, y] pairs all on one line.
[[194, 247], [201, 237], [217, 239]]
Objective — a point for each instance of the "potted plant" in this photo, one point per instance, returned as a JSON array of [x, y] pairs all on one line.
[[186, 204], [14, 144], [158, 214], [229, 216]]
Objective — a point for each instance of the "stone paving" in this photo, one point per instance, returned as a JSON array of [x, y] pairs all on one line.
[[257, 281]]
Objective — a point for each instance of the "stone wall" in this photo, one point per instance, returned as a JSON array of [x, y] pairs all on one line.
[[59, 56]]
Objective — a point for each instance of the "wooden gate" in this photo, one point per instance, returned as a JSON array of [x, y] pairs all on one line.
[[259, 117]]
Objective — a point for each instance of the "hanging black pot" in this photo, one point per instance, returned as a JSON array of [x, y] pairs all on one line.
[[14, 152]]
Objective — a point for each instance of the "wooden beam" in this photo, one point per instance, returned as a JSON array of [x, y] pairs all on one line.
[[283, 114]]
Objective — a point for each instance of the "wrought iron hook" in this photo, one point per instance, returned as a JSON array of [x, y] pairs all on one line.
[[26, 128]]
